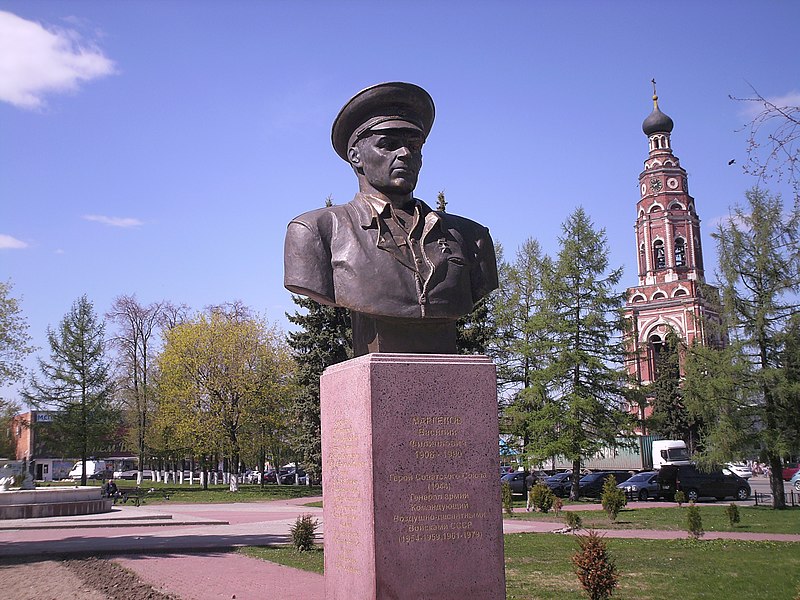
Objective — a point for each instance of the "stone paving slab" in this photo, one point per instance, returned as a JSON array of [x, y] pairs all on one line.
[[224, 575]]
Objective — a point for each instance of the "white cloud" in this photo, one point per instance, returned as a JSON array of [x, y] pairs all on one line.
[[114, 221], [35, 60], [789, 100], [11, 243]]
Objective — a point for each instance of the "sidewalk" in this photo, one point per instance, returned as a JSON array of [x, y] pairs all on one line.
[[183, 548]]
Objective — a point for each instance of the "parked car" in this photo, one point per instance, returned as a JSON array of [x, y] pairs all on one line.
[[642, 485], [795, 481], [790, 471], [719, 483], [517, 480], [289, 477], [740, 469], [591, 485], [559, 483]]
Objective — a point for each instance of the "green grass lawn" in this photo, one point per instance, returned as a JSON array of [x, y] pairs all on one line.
[[538, 567], [755, 519], [221, 493], [215, 493], [285, 555]]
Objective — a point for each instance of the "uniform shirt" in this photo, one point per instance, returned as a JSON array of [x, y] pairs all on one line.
[[363, 256]]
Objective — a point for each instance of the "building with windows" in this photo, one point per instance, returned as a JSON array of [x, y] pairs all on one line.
[[37, 445], [671, 293]]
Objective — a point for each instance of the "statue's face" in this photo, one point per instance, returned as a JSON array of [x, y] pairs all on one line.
[[390, 159]]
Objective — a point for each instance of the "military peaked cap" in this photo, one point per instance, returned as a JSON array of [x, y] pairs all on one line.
[[381, 106]]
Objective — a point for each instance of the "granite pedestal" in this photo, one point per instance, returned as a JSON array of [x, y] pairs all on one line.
[[411, 489]]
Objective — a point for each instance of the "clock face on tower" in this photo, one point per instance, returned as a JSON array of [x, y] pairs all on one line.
[[655, 184]]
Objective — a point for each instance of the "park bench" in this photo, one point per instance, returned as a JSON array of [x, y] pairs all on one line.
[[137, 494]]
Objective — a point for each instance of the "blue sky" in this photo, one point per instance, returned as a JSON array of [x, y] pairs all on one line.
[[160, 148]]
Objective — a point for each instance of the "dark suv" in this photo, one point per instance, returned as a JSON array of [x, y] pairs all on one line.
[[591, 485], [696, 484]]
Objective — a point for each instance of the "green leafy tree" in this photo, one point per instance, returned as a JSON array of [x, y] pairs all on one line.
[[14, 339], [76, 382], [8, 440], [218, 372], [759, 269], [578, 409]]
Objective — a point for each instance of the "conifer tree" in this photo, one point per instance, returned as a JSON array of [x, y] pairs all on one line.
[[759, 264], [670, 418], [584, 383], [324, 338], [76, 383]]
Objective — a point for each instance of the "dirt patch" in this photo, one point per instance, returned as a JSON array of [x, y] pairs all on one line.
[[77, 579], [44, 580], [114, 580]]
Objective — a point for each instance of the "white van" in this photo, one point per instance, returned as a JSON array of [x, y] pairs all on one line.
[[95, 469], [670, 452]]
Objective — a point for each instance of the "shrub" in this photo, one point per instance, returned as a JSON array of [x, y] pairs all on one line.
[[733, 513], [694, 523], [573, 520], [558, 504], [304, 532], [612, 498], [680, 497], [507, 503], [542, 497], [595, 568]]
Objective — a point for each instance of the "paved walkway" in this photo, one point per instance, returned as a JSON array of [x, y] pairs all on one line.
[[182, 548]]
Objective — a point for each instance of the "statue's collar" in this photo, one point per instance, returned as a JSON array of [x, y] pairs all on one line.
[[372, 207]]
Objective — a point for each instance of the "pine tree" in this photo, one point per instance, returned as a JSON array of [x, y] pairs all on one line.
[[585, 379], [324, 339], [670, 418], [77, 384], [759, 263]]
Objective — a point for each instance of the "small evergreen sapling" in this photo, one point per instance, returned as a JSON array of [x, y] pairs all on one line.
[[558, 504], [680, 498], [572, 519], [594, 566], [304, 532], [542, 497], [612, 498], [733, 513], [694, 523]]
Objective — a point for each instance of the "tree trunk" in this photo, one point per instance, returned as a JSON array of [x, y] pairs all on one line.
[[574, 492], [776, 481]]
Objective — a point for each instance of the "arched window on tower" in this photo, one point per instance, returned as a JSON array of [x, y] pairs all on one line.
[[655, 345], [658, 254], [642, 261], [680, 252]]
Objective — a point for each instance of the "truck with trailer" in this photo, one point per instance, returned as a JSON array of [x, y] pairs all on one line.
[[645, 454]]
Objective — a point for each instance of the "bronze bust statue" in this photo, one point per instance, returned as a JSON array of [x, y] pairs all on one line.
[[405, 271]]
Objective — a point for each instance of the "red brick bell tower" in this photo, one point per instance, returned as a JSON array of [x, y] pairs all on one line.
[[671, 293]]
